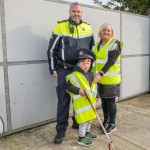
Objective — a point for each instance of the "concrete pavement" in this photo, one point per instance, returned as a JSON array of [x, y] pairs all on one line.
[[133, 131]]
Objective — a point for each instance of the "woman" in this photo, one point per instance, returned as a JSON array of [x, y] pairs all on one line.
[[107, 70]]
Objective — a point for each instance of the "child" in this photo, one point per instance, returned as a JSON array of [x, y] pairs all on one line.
[[80, 86]]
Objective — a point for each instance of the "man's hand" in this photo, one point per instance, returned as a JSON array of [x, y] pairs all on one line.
[[81, 92], [54, 75]]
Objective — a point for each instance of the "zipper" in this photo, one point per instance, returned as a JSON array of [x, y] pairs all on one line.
[[78, 37]]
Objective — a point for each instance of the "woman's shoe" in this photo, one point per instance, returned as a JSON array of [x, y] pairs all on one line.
[[105, 124]]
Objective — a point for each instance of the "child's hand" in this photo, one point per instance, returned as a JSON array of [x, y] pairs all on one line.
[[97, 99], [81, 92]]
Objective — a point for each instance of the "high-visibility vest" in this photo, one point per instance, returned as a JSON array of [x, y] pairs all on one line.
[[81, 105], [112, 76]]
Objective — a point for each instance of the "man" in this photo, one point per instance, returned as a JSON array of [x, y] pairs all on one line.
[[68, 36]]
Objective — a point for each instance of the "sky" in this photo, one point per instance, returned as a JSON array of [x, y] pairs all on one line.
[[89, 2]]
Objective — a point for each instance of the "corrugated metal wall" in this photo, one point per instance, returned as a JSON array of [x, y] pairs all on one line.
[[27, 91]]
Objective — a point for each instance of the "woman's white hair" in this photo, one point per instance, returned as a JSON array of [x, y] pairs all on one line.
[[103, 26]]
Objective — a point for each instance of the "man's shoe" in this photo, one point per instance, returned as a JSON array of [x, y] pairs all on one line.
[[84, 141], [59, 138], [75, 126], [110, 128], [90, 136]]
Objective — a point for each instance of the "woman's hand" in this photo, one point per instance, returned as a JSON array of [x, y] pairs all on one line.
[[97, 100], [81, 92], [97, 77]]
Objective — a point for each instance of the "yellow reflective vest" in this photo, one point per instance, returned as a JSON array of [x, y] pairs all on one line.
[[81, 105], [112, 76]]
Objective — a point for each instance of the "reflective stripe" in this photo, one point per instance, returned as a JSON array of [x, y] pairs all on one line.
[[109, 47], [113, 47], [104, 61], [111, 43], [101, 61], [52, 62], [94, 92], [88, 91], [111, 73], [75, 97], [75, 80], [63, 47], [80, 110]]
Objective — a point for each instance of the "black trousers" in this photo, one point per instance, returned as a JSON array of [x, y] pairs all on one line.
[[109, 109], [63, 101]]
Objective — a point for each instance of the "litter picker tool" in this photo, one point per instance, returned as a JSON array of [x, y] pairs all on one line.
[[110, 146]]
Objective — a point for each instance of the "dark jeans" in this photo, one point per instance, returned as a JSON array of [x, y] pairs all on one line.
[[109, 109], [63, 101]]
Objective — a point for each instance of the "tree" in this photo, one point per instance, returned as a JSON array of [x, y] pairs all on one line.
[[133, 6]]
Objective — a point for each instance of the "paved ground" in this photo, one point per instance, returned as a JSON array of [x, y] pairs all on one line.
[[133, 131]]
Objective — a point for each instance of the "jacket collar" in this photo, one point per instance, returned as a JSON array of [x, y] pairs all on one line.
[[77, 68], [74, 23]]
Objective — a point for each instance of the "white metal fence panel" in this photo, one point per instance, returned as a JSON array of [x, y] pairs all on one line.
[[135, 76], [2, 98], [135, 34], [30, 90], [135, 64], [1, 50], [32, 94], [97, 17]]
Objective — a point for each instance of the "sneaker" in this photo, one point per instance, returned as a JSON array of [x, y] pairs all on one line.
[[84, 141], [105, 124], [59, 138], [90, 136], [110, 128]]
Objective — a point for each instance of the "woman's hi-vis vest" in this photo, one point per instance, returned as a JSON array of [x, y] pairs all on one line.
[[81, 105], [112, 76]]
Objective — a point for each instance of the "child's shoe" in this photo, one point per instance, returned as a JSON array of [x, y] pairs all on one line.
[[84, 141], [90, 136]]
